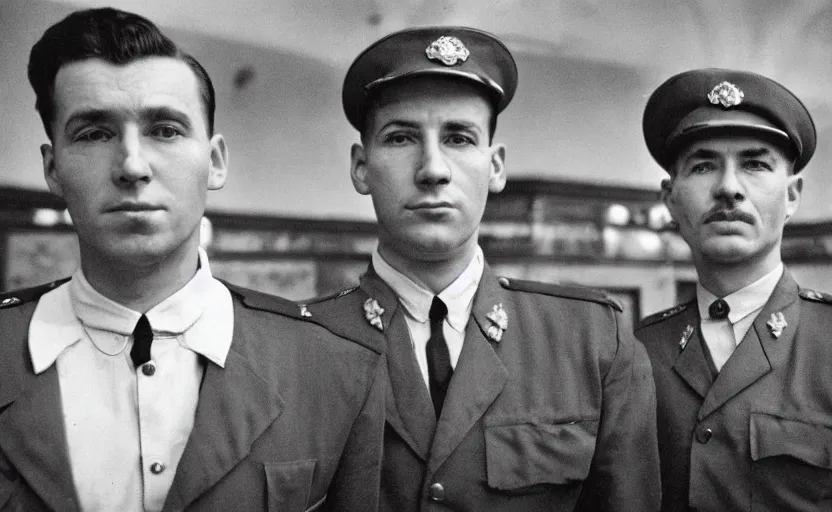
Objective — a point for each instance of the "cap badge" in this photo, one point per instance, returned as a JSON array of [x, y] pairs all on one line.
[[373, 312], [499, 322], [448, 50], [686, 334], [777, 324], [726, 94]]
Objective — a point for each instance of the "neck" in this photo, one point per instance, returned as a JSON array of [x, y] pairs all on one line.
[[432, 274], [723, 279], [140, 286]]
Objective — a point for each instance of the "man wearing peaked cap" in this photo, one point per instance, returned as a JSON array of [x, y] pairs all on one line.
[[742, 371], [503, 394]]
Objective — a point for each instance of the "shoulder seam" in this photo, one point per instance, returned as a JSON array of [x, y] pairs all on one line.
[[563, 291]]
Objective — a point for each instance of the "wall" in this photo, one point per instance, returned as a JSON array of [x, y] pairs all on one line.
[[289, 141]]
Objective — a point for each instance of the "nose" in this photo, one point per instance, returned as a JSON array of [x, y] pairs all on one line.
[[729, 188], [132, 166], [434, 169]]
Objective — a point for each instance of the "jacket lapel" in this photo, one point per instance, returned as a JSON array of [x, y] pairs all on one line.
[[409, 406], [479, 376], [750, 360], [31, 422], [235, 407], [691, 364]]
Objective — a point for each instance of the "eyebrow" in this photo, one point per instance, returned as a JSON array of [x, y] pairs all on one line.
[[755, 153], [462, 125], [702, 154], [95, 115]]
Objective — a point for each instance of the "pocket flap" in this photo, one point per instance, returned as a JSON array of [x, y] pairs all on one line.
[[772, 436], [289, 484], [531, 454]]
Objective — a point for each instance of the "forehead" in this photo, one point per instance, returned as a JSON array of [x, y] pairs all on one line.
[[431, 99], [148, 82], [728, 145]]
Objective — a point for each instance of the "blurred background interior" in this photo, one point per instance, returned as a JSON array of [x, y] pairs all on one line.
[[582, 204]]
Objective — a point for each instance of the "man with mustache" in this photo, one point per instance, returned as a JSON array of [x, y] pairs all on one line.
[[504, 395], [742, 372], [143, 383]]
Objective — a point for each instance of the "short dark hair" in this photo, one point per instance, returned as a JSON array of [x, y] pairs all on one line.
[[114, 36]]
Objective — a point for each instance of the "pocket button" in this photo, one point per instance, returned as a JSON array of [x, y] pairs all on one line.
[[436, 492], [704, 435]]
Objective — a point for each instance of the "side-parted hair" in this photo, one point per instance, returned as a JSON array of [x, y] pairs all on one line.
[[114, 36]]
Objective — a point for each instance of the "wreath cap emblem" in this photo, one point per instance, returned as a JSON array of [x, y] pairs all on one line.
[[726, 94], [448, 50]]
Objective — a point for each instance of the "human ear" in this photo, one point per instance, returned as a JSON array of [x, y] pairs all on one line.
[[497, 180], [794, 189], [218, 172], [358, 169], [47, 154]]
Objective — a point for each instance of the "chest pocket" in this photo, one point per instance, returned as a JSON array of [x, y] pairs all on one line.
[[531, 455], [791, 461], [289, 485]]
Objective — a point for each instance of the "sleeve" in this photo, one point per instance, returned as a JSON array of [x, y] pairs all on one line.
[[357, 480], [624, 475]]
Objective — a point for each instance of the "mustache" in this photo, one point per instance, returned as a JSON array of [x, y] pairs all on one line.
[[724, 214]]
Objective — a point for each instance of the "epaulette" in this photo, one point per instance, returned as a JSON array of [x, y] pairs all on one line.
[[330, 296], [815, 296], [558, 290], [265, 302], [18, 297], [663, 315]]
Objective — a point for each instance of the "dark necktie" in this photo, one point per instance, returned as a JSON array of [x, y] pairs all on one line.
[[439, 360], [142, 338], [719, 309]]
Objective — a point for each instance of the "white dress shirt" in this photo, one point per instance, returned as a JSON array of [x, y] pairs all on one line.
[[126, 427], [723, 336], [416, 300]]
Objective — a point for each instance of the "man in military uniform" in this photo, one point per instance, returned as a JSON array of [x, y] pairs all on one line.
[[742, 372], [503, 394], [143, 383]]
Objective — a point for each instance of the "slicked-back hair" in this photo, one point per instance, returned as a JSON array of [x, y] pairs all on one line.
[[114, 36]]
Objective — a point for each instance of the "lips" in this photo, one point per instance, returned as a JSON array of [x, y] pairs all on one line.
[[429, 205], [729, 216], [131, 206]]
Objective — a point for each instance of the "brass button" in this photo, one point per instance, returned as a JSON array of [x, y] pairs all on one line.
[[437, 492], [157, 467], [149, 369], [704, 435]]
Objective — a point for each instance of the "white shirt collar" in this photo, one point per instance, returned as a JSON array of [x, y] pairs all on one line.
[[744, 301], [201, 311], [458, 296]]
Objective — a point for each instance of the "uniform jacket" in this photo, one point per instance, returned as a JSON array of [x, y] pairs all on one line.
[[293, 422], [759, 436], [557, 414]]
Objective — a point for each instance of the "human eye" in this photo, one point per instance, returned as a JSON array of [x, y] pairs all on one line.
[[459, 139], [756, 165], [701, 168], [93, 135], [165, 132], [397, 138]]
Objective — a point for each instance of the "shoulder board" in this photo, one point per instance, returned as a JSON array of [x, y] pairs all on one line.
[[557, 290], [815, 296], [663, 315], [17, 297], [331, 296], [265, 302]]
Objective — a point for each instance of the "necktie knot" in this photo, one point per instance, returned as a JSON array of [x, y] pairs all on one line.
[[719, 309], [438, 311], [142, 339]]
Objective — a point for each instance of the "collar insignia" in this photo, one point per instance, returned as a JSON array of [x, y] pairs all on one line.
[[373, 312], [726, 94], [304, 311], [776, 324], [499, 322], [686, 334], [448, 50], [9, 301]]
